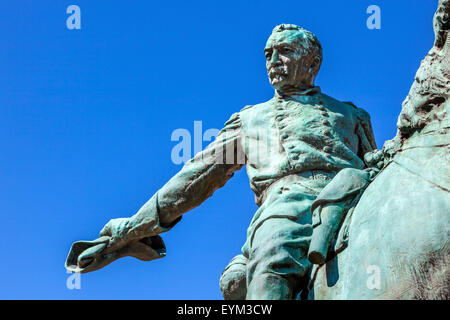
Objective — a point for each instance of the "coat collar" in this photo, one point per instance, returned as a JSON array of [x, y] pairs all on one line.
[[297, 92]]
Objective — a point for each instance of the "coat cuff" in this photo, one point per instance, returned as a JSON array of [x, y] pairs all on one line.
[[146, 223]]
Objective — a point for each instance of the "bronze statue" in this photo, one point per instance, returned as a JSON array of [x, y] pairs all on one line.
[[293, 146]]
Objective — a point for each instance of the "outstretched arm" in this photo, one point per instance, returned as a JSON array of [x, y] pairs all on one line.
[[208, 171]]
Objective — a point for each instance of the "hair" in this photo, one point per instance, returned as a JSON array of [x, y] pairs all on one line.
[[310, 42]]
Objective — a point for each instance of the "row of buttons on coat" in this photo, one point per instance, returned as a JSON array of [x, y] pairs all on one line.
[[281, 124]]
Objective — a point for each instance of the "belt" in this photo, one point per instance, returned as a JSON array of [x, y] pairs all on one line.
[[302, 176], [316, 174]]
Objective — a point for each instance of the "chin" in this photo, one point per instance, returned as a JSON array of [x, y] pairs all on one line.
[[278, 83]]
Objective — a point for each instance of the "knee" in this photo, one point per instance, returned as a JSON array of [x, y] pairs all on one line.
[[269, 286], [233, 279], [285, 258]]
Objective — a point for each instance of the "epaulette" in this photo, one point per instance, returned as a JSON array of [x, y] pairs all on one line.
[[247, 107], [350, 103]]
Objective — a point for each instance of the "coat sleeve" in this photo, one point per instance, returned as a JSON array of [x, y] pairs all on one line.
[[365, 133], [208, 171]]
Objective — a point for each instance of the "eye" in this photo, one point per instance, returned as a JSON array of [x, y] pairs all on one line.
[[285, 50], [268, 55]]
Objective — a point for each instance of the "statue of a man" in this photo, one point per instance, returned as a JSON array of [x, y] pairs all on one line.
[[292, 146]]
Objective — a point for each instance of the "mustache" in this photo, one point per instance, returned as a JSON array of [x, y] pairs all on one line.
[[278, 70]]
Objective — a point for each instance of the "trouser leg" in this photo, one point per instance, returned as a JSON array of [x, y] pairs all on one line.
[[269, 286], [233, 279], [278, 259]]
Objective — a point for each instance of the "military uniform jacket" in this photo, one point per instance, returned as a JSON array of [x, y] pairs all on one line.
[[277, 138]]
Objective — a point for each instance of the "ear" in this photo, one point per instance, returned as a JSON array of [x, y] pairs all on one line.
[[315, 64]]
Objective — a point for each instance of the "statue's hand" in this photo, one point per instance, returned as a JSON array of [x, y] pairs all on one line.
[[117, 229], [374, 158]]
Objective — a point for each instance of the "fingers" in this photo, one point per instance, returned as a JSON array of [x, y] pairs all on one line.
[[115, 230], [115, 244]]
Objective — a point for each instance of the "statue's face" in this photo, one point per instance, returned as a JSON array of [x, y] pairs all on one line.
[[286, 63]]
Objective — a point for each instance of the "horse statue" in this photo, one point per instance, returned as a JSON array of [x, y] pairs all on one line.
[[394, 243]]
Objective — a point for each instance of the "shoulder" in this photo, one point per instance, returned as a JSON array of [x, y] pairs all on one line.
[[233, 123], [360, 112], [333, 102], [257, 107], [236, 118], [248, 107], [363, 115], [248, 112], [254, 109], [349, 106]]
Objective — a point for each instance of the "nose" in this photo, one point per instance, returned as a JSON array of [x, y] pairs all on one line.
[[275, 59]]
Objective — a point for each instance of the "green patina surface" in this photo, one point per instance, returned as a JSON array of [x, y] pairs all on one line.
[[310, 159], [398, 233]]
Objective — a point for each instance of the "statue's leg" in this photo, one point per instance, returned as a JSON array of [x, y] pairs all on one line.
[[269, 286], [233, 279], [277, 259]]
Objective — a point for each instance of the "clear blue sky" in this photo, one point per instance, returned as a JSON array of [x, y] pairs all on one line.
[[86, 118]]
